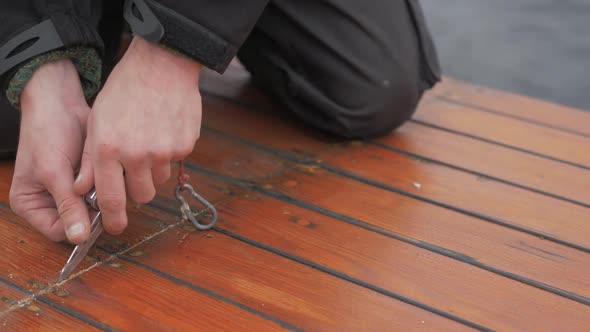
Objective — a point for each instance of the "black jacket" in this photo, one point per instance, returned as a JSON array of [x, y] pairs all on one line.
[[29, 28]]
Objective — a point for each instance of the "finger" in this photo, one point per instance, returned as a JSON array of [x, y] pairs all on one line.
[[110, 190], [39, 211], [47, 222], [72, 210], [161, 172], [140, 183], [85, 179]]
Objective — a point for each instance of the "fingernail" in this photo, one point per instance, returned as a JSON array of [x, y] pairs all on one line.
[[77, 179], [75, 231]]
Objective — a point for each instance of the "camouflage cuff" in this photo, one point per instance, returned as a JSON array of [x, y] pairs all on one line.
[[87, 62]]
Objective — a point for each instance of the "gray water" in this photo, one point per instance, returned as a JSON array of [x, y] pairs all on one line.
[[539, 48]]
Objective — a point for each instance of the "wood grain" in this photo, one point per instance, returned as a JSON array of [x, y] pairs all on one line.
[[482, 242], [500, 201], [512, 105], [131, 298], [522, 168], [297, 294], [537, 139], [123, 296], [40, 317], [492, 160]]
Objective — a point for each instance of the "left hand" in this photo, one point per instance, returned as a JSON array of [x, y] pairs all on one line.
[[147, 116]]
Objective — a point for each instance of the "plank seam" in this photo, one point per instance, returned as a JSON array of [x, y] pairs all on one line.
[[504, 145], [511, 116], [337, 274], [209, 293], [476, 173], [290, 157], [54, 305], [418, 243]]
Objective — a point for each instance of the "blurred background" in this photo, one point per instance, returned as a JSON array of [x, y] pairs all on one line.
[[539, 48]]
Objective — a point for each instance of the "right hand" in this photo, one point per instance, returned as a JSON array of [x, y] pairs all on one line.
[[53, 130]]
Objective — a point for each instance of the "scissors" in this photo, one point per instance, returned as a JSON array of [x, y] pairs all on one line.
[[82, 249]]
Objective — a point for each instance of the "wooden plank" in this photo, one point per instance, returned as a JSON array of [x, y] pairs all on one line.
[[393, 265], [507, 164], [109, 293], [38, 316], [513, 105], [132, 298], [520, 208], [493, 160], [295, 293], [485, 244], [553, 143], [395, 308], [9, 296]]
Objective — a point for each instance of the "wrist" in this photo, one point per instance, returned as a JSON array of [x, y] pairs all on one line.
[[161, 62], [55, 82]]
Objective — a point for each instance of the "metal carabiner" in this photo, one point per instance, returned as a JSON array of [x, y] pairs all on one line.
[[186, 209]]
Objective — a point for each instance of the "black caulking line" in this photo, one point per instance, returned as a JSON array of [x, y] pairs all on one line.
[[504, 145], [332, 272], [254, 107], [476, 173], [421, 244], [532, 253], [542, 250], [516, 117], [434, 161], [59, 307], [346, 174], [208, 293], [4, 215], [355, 281]]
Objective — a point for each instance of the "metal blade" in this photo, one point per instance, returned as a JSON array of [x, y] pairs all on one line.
[[82, 249]]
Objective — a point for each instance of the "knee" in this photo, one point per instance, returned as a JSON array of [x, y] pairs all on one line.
[[375, 108]]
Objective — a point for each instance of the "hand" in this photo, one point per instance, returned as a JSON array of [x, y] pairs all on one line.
[[147, 116], [54, 114]]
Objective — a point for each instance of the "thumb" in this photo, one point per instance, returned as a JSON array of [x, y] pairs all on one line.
[[71, 208], [85, 179]]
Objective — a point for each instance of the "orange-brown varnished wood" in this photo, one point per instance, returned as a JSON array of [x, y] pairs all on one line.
[[484, 242], [512, 105], [546, 141], [489, 159], [298, 294], [520, 168], [473, 216], [470, 192]]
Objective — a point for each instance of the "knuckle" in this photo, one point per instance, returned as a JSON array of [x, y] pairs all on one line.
[[111, 202], [144, 197], [67, 205], [183, 150], [47, 173], [162, 156], [107, 150], [134, 156], [115, 227]]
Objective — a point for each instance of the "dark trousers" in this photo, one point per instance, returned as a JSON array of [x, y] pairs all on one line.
[[352, 68]]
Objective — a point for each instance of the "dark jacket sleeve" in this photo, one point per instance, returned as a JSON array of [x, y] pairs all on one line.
[[33, 32], [208, 31]]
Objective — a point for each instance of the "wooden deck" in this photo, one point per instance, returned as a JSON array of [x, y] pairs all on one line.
[[473, 216]]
